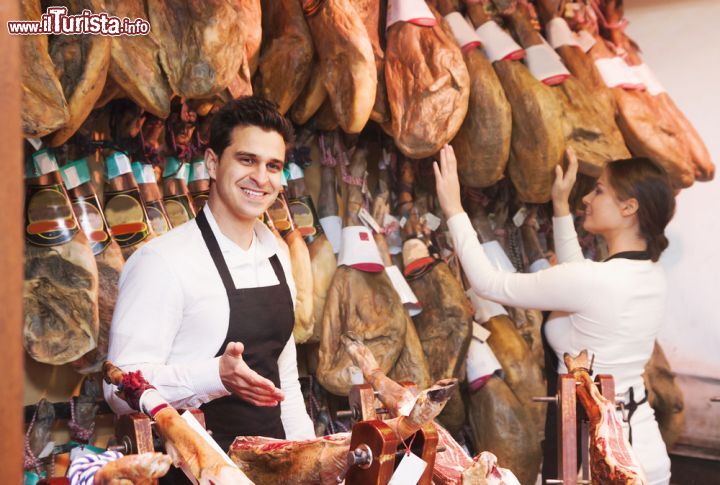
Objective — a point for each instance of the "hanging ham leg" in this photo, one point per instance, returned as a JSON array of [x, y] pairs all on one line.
[[147, 86], [311, 98], [287, 53], [346, 60], [665, 396], [361, 302], [699, 154], [202, 44], [81, 63], [139, 469], [428, 87], [44, 108], [612, 459], [483, 142], [537, 142]]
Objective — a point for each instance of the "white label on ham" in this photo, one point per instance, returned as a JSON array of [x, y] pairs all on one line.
[[200, 171], [183, 172], [332, 226], [559, 34], [616, 73], [70, 176], [409, 470], [369, 220], [45, 452], [652, 83], [480, 333], [413, 11], [586, 40], [480, 361], [497, 44], [466, 37], [520, 217], [123, 163], [484, 309], [403, 289], [45, 162], [544, 63], [148, 174], [539, 265], [498, 258], [359, 250]]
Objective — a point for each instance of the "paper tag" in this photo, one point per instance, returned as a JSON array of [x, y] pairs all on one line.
[[539, 265], [498, 44], [432, 221], [480, 333], [407, 297], [586, 40], [645, 74], [616, 73], [49, 447], [403, 221], [464, 34], [496, 254], [413, 11], [294, 171], [183, 172], [519, 217], [80, 451], [484, 309], [409, 470], [369, 220], [391, 226], [148, 174], [544, 63], [559, 34], [332, 226]]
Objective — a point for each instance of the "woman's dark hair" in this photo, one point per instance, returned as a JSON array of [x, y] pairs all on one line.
[[640, 179], [247, 111]]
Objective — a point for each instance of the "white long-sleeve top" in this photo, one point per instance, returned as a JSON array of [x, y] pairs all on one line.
[[172, 316], [613, 309]]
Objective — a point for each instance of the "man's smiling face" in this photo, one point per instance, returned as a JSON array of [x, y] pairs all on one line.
[[248, 175]]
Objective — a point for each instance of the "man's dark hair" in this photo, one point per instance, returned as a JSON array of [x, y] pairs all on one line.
[[247, 111]]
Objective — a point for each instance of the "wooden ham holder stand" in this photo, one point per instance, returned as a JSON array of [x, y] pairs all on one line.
[[570, 418], [374, 448], [133, 432]]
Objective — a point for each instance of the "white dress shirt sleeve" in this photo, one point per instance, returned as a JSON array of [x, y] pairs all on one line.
[[565, 287], [567, 247], [295, 419], [147, 316]]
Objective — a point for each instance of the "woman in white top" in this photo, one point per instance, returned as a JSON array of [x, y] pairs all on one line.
[[614, 308]]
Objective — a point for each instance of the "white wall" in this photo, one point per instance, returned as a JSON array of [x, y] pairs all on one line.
[[681, 41]]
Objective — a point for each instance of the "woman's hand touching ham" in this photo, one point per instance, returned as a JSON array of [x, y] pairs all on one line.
[[563, 184], [447, 183]]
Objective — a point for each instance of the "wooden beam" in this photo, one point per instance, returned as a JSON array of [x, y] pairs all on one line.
[[11, 255]]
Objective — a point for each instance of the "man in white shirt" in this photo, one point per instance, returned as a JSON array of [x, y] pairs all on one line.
[[206, 311]]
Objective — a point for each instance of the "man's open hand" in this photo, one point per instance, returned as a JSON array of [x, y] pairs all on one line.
[[244, 382]]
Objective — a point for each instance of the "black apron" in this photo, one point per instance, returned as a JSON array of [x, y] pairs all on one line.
[[549, 445], [262, 319]]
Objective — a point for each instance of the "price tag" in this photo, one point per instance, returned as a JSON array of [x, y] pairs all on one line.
[[409, 470], [432, 221], [520, 217], [369, 220], [481, 333], [403, 221], [49, 447]]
